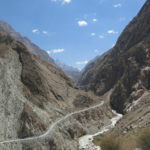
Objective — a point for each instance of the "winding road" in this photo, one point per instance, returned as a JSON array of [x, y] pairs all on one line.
[[47, 134]]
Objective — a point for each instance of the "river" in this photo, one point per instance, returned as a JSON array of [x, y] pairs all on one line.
[[86, 142]]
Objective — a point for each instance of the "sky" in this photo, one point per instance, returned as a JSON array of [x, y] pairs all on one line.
[[72, 31]]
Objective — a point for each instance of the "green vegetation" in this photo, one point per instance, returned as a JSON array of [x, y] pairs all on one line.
[[110, 143], [148, 104], [131, 118], [144, 139], [129, 141], [140, 110]]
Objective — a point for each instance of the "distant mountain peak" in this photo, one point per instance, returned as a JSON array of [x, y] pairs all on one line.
[[72, 72], [31, 46]]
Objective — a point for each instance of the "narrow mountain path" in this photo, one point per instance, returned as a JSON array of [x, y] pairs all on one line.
[[48, 133]]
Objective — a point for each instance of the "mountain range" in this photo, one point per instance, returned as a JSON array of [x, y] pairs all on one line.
[[123, 66], [43, 109], [42, 54]]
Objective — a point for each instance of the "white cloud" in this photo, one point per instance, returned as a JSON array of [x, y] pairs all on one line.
[[117, 5], [35, 31], [113, 44], [59, 50], [82, 23], [82, 62], [112, 32], [93, 34], [94, 20], [66, 1], [62, 1], [49, 52], [101, 36], [45, 32]]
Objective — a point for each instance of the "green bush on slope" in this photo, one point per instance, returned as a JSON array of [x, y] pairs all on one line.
[[110, 143], [130, 141], [144, 139]]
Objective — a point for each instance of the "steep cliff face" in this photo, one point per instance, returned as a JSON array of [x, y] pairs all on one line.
[[34, 95], [126, 66], [88, 79], [31, 46]]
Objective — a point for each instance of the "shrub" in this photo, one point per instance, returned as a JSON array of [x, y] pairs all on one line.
[[131, 141], [110, 143], [144, 139], [128, 144]]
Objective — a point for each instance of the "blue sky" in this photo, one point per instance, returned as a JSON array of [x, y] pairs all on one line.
[[73, 31]]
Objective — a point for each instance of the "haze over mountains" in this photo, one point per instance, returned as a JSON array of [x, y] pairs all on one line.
[[72, 72], [41, 107]]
